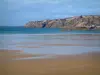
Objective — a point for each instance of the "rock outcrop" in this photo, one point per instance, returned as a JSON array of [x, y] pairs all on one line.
[[71, 22]]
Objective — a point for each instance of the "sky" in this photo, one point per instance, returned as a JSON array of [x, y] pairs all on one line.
[[19, 12]]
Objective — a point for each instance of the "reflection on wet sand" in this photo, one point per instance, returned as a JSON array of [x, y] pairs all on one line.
[[28, 47], [80, 64], [26, 43], [86, 39], [15, 54], [10, 51], [55, 44], [71, 45]]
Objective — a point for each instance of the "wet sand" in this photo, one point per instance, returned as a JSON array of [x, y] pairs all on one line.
[[80, 64], [15, 54]]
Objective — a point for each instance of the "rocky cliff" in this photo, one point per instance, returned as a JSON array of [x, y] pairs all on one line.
[[77, 21]]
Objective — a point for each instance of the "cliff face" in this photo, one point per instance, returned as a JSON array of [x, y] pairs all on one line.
[[78, 21]]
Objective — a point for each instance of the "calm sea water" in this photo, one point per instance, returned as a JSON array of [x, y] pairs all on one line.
[[49, 41]]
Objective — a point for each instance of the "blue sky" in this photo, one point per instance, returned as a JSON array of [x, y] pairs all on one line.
[[19, 12]]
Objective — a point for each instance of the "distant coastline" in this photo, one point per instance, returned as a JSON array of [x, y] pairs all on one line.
[[71, 23]]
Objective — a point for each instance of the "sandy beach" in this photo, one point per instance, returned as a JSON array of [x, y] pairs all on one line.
[[80, 64]]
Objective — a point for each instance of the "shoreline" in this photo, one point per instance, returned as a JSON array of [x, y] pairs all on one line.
[[66, 33], [20, 54], [16, 54]]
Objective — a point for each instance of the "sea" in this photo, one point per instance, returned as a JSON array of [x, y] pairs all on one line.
[[49, 40]]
